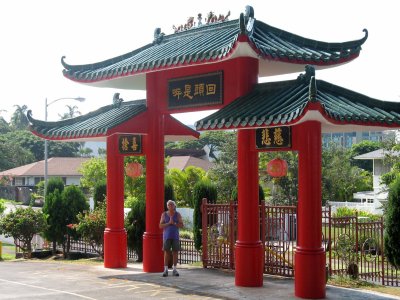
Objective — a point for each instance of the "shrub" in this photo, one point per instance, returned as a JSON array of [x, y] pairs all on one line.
[[54, 215], [392, 225], [135, 224], [261, 195], [23, 224], [91, 227], [2, 206], [53, 184], [203, 189], [99, 193], [168, 191]]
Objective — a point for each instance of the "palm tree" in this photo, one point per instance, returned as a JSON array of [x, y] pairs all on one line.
[[19, 121], [72, 112]]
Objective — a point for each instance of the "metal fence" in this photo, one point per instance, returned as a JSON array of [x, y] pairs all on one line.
[[354, 246], [187, 255]]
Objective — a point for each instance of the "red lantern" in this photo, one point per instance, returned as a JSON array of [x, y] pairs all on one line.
[[134, 169], [277, 167]]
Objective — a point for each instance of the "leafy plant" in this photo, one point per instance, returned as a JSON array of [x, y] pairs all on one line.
[[135, 224], [22, 224], [203, 189], [91, 226], [2, 206], [99, 193], [54, 183], [392, 225]]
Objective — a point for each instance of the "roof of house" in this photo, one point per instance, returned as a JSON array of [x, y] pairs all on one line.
[[211, 43], [290, 102], [377, 154], [57, 166], [119, 117], [182, 162], [185, 152]]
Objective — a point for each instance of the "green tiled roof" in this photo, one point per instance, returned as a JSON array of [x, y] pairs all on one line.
[[284, 103], [215, 42], [94, 124]]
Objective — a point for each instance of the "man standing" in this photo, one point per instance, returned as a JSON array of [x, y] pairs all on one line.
[[170, 222]]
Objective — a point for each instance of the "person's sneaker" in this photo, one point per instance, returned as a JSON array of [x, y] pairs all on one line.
[[165, 274], [175, 273]]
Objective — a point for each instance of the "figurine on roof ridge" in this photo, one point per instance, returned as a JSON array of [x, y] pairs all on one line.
[[211, 18]]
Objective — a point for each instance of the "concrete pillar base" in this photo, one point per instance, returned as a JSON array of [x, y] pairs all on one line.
[[153, 257], [309, 275], [115, 248], [249, 264]]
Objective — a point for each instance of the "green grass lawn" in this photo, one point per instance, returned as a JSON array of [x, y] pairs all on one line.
[[346, 282], [8, 252]]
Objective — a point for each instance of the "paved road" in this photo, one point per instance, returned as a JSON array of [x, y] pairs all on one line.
[[34, 279]]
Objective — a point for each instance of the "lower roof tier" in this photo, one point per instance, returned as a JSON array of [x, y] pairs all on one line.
[[291, 102]]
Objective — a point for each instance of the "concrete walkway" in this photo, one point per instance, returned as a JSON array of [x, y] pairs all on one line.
[[35, 279]]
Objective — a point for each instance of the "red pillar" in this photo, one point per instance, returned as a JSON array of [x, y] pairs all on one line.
[[309, 255], [249, 248], [115, 245], [153, 260]]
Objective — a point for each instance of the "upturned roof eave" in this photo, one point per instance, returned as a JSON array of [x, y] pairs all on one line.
[[313, 112], [267, 67]]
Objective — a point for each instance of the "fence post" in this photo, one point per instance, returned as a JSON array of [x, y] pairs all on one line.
[[263, 229], [231, 235], [357, 240], [382, 252], [330, 239], [204, 233]]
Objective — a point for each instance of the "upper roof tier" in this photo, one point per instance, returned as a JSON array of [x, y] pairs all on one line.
[[278, 52]]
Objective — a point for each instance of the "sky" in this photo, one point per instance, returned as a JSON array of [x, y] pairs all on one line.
[[36, 34]]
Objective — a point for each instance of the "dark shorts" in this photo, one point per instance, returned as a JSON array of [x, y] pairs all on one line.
[[173, 244]]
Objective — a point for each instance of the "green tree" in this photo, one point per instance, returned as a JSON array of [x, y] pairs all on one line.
[[135, 224], [13, 155], [22, 224], [184, 182], [169, 193], [362, 148], [55, 216], [54, 183], [224, 172], [73, 203], [91, 226], [392, 225], [339, 178], [19, 121], [4, 126], [93, 171], [203, 189], [100, 193], [2, 206], [71, 113]]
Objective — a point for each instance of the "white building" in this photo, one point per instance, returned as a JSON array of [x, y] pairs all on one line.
[[371, 201]]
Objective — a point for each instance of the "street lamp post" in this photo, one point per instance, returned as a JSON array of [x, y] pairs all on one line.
[[46, 146]]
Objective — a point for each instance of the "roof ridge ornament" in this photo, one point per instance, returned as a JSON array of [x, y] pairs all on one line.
[[312, 91], [246, 20], [117, 100], [211, 18], [309, 72], [158, 36]]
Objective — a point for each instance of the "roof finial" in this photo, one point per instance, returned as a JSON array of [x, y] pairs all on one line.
[[247, 20], [312, 92], [117, 100], [158, 36]]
